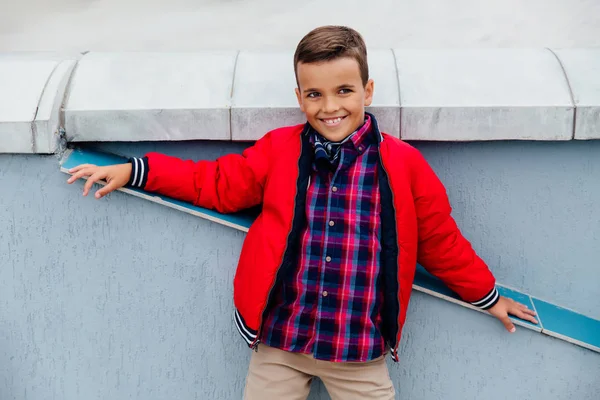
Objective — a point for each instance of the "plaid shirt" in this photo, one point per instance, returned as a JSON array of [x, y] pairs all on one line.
[[330, 307]]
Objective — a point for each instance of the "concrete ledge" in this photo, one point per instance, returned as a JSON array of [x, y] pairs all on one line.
[[582, 67], [442, 95], [150, 96], [263, 94], [23, 81], [47, 121], [485, 94], [386, 99]]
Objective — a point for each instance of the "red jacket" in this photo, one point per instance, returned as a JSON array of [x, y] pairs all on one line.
[[274, 172]]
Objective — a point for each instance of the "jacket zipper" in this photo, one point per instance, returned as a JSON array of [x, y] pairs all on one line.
[[397, 274], [254, 345]]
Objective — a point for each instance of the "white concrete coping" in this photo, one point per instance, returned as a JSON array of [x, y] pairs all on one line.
[[483, 94], [263, 94], [445, 95], [582, 67], [150, 96], [264, 99], [31, 90], [47, 121]]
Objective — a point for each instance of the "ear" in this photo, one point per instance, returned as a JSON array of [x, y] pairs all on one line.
[[299, 97], [369, 88]]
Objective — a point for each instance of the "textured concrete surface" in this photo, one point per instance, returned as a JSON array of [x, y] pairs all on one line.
[[264, 99], [582, 67], [530, 210], [124, 298], [150, 96], [450, 353], [481, 94], [22, 83]]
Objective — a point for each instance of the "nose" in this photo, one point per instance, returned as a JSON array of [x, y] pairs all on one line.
[[330, 105]]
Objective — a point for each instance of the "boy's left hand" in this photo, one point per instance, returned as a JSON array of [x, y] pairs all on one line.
[[505, 307]]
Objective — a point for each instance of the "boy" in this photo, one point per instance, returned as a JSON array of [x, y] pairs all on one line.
[[326, 270]]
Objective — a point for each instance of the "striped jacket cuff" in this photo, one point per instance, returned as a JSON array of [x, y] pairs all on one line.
[[489, 300], [139, 172], [394, 355], [247, 333]]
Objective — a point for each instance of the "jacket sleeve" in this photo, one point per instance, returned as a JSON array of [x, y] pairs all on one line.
[[228, 184], [442, 249]]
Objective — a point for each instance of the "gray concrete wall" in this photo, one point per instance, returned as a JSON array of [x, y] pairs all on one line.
[[123, 298]]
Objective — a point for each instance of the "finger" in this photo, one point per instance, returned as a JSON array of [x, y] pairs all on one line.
[[79, 167], [78, 175], [522, 308], [91, 180], [508, 324], [88, 171], [528, 311], [526, 317], [111, 186]]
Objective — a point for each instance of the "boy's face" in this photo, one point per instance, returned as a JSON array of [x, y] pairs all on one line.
[[332, 96]]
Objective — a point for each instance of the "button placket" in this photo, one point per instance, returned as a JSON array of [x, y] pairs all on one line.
[[324, 298]]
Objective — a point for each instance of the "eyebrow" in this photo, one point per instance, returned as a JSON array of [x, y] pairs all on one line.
[[339, 87]]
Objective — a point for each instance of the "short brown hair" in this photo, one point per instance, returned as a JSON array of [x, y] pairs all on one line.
[[329, 43]]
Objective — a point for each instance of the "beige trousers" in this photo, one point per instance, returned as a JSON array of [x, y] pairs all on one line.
[[280, 375]]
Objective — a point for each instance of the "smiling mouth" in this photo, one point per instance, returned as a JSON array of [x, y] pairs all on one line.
[[332, 121]]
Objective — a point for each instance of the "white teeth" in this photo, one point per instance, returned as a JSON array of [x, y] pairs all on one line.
[[332, 121]]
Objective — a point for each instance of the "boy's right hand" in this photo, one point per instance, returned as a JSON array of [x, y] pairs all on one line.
[[116, 176]]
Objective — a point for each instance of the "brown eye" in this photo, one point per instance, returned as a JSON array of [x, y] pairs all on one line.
[[312, 95]]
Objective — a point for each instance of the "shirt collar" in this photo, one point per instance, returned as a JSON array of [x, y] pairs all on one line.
[[359, 136]]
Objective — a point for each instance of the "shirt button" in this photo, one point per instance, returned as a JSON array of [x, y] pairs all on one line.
[[360, 148], [334, 189], [325, 293], [328, 259], [331, 223]]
